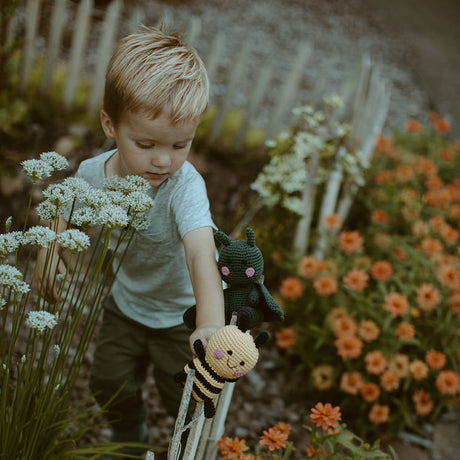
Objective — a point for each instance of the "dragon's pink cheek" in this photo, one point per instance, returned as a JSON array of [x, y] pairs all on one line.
[[239, 373], [250, 272], [219, 354], [225, 271]]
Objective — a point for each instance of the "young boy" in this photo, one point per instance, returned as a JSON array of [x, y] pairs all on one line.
[[155, 95]]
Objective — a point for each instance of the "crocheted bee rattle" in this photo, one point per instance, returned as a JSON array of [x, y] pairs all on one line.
[[230, 354], [241, 266]]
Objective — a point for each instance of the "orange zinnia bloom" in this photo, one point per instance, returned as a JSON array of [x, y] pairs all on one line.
[[447, 275], [426, 166], [381, 270], [396, 304], [292, 288], [448, 382], [380, 217], [428, 297], [351, 382], [405, 331], [382, 239], [384, 145], [418, 369], [322, 376], [274, 438], [333, 221], [356, 280], [435, 359], [368, 330], [389, 380], [309, 266], [414, 126], [370, 391], [454, 302], [286, 338], [431, 246], [350, 242], [325, 285], [379, 414], [344, 325], [232, 448], [449, 235], [349, 347], [400, 364], [442, 126], [313, 453], [376, 362], [400, 254], [405, 173], [434, 183], [423, 403], [325, 416], [383, 177]]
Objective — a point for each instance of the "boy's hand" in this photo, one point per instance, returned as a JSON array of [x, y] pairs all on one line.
[[202, 333], [47, 280]]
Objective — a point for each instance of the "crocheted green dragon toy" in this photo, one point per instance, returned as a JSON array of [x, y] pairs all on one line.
[[241, 265]]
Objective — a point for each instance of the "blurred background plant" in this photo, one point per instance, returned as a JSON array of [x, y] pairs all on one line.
[[44, 341], [374, 324]]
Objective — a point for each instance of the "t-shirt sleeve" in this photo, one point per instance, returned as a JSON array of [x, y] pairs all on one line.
[[190, 206]]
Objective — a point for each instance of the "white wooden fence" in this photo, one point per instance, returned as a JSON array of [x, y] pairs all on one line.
[[83, 50]]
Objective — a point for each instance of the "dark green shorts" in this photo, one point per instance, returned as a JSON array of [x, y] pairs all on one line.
[[124, 349]]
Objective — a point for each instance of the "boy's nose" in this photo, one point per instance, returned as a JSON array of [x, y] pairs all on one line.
[[161, 158]]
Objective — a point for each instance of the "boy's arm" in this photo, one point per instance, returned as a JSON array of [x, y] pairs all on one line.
[[200, 253], [55, 266]]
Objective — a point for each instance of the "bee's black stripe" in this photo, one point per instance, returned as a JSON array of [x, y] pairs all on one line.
[[205, 381]]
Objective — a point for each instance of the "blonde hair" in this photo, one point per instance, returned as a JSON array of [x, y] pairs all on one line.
[[154, 72]]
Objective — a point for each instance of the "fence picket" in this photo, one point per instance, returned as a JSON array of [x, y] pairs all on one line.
[[136, 20], [212, 61], [103, 55], [193, 30], [52, 54], [32, 10], [287, 94], [80, 33]]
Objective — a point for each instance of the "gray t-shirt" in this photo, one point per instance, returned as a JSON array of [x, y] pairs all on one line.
[[153, 285]]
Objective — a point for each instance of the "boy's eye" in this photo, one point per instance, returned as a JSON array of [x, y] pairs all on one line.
[[180, 146], [145, 146]]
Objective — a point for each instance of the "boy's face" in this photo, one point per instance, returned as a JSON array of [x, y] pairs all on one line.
[[152, 148]]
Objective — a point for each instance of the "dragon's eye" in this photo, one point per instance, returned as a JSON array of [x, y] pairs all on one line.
[[230, 352], [242, 363]]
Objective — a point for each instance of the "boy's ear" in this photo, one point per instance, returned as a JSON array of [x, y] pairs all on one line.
[[107, 125]]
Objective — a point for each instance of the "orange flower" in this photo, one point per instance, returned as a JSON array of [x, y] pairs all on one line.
[[389, 380], [350, 242], [449, 235], [404, 173], [274, 438], [428, 297], [382, 239], [370, 391], [448, 382], [333, 221], [408, 196], [380, 217], [286, 338], [400, 364], [232, 448], [418, 369], [431, 246], [351, 382], [356, 280], [325, 285], [309, 266], [435, 359], [385, 145], [379, 414], [381, 270], [325, 416], [423, 403], [454, 302], [322, 376], [368, 330], [292, 288], [344, 325], [448, 276], [396, 304], [376, 362], [441, 125], [420, 228], [433, 183], [414, 126], [313, 453], [426, 166], [400, 254], [383, 177], [405, 331], [349, 347]]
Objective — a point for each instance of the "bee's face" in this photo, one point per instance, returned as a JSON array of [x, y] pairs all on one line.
[[231, 352]]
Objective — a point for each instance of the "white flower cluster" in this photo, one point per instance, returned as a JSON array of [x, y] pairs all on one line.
[[11, 278], [73, 240], [127, 184], [113, 216], [40, 236], [10, 242], [59, 194], [41, 320], [56, 161]]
